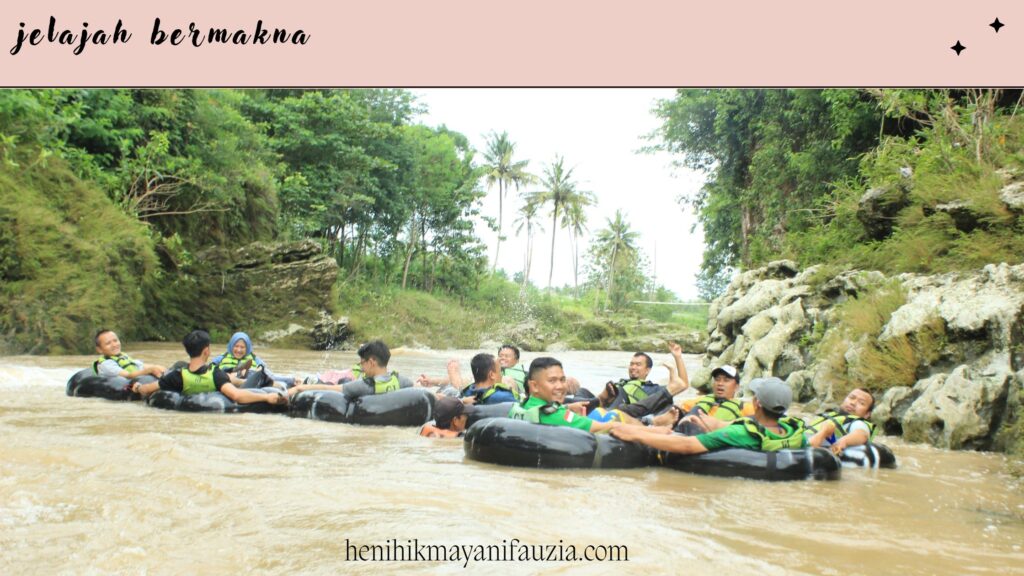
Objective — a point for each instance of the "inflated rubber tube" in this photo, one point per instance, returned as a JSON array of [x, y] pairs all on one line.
[[517, 443], [86, 384], [802, 464], [211, 402], [872, 455], [485, 411], [405, 407]]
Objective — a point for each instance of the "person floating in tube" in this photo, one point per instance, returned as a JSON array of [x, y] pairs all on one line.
[[199, 376], [113, 362], [711, 411], [768, 430], [241, 360], [847, 427], [546, 389], [450, 417], [375, 378], [635, 397], [487, 386]]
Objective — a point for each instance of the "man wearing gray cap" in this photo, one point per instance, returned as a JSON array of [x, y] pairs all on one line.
[[767, 431]]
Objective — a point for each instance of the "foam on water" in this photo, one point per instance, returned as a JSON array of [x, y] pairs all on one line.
[[15, 377]]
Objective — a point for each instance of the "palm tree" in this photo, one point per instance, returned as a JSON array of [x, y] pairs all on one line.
[[615, 240], [500, 169], [575, 219], [560, 191], [528, 219]]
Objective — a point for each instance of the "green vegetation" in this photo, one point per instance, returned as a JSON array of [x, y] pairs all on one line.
[[788, 169], [70, 260], [500, 310], [855, 353]]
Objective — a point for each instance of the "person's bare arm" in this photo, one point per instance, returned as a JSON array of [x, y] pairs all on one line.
[[304, 387], [659, 441], [824, 431], [855, 438], [247, 397], [680, 379], [453, 374]]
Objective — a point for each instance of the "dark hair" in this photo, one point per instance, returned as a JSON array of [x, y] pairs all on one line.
[[870, 395], [650, 363], [100, 332], [446, 410], [377, 350], [481, 365], [196, 342], [538, 364], [510, 347]]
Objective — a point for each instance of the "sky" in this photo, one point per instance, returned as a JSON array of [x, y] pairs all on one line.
[[599, 132]]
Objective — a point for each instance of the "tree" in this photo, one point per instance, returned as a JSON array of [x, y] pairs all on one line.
[[615, 244], [575, 219], [559, 190], [528, 219], [502, 170], [770, 156]]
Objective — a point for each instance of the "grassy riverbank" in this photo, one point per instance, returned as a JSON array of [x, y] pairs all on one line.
[[501, 311]]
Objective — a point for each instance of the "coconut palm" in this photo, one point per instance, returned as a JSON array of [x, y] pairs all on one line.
[[615, 241], [560, 191], [528, 220], [502, 170], [575, 219]]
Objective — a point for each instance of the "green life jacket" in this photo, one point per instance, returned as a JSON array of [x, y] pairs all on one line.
[[792, 427], [123, 360], [497, 386], [728, 410], [633, 389], [518, 373], [229, 362], [528, 414], [357, 372], [386, 386], [192, 383], [842, 422]]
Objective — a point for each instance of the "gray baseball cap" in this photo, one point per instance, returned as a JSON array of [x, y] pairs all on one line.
[[774, 395]]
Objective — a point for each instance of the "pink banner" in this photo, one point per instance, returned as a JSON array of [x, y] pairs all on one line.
[[526, 43]]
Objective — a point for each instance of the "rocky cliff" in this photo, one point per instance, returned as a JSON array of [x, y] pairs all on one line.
[[281, 292], [944, 353]]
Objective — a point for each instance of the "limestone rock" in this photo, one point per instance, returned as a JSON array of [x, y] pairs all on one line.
[[877, 210], [956, 410], [328, 333], [1013, 196]]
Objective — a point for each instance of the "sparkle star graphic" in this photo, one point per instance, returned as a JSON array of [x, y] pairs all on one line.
[[958, 48], [997, 25]]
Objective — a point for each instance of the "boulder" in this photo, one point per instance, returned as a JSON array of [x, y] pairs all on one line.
[[1012, 196], [878, 208], [957, 410], [963, 331], [328, 332]]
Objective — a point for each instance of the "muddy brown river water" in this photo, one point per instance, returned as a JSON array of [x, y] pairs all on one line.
[[89, 486]]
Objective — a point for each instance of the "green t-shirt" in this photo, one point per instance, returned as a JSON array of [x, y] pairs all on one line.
[[734, 436], [561, 417]]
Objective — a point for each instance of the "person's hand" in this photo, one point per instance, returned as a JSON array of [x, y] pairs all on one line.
[[296, 389], [469, 400], [423, 380], [839, 446], [135, 387], [627, 433], [675, 349], [276, 399], [157, 371], [577, 407]]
